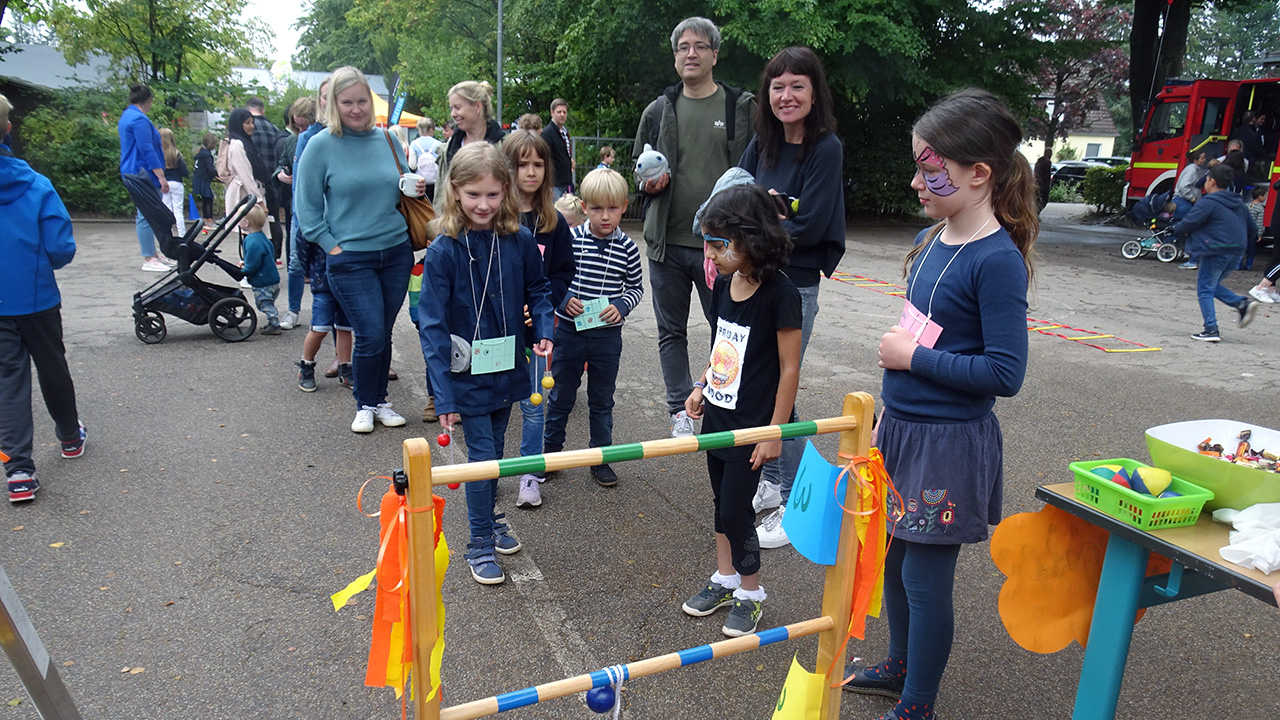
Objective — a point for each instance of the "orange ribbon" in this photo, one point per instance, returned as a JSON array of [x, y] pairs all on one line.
[[871, 555]]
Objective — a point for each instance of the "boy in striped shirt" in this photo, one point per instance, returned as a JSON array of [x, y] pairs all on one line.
[[605, 289]]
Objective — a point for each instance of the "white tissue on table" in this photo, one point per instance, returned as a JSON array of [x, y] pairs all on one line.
[[1255, 542]]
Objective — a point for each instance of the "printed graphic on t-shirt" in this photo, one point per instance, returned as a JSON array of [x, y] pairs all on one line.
[[725, 379]]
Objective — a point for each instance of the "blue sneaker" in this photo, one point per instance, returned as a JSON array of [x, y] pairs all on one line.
[[1189, 265], [484, 564], [502, 540], [74, 448], [22, 487]]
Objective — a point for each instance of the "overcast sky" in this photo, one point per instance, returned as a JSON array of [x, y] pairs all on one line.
[[279, 16]]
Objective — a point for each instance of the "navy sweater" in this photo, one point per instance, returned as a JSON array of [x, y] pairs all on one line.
[[981, 304], [818, 227], [1218, 224]]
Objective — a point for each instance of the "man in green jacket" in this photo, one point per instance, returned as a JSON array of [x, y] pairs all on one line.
[[702, 127]]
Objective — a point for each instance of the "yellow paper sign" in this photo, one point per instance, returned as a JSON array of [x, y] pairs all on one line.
[[801, 695]]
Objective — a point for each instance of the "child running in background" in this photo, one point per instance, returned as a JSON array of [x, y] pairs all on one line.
[[607, 286], [529, 157], [570, 206], [751, 381], [481, 271], [260, 268], [962, 343], [326, 316]]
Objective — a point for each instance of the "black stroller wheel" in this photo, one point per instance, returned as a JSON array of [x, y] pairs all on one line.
[[232, 319], [1131, 249], [149, 327], [1168, 253]]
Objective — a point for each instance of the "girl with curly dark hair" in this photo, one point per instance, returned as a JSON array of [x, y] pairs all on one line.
[[750, 381]]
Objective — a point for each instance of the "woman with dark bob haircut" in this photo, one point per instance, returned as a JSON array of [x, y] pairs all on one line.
[[795, 154]]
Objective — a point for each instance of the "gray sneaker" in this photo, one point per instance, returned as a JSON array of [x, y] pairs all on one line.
[[1248, 309], [743, 618], [529, 496], [713, 597], [681, 425]]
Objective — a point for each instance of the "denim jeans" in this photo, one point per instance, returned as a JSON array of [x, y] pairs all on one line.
[[782, 472], [601, 351], [370, 286], [485, 435], [266, 299], [296, 278], [1213, 270], [146, 238], [532, 415], [670, 280]]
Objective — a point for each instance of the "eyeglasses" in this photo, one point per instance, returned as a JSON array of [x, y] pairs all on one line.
[[711, 239], [699, 48]]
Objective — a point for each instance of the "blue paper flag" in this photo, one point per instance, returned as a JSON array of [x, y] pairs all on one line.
[[813, 517]]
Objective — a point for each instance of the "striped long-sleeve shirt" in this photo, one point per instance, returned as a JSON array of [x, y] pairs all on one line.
[[606, 267]]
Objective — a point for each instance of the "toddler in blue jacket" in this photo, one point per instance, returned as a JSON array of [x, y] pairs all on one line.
[[260, 268]]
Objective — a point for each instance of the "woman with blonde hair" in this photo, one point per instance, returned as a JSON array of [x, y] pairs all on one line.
[[471, 107], [175, 171], [346, 203]]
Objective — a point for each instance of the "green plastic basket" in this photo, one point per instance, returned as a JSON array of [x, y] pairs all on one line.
[[1141, 511]]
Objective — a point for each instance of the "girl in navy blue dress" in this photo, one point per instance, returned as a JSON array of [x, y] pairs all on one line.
[[960, 343]]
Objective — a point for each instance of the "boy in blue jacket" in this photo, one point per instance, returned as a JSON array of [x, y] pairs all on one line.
[[260, 268], [1218, 228], [35, 240]]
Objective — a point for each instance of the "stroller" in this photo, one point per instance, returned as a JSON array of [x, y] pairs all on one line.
[[182, 294], [1161, 241]]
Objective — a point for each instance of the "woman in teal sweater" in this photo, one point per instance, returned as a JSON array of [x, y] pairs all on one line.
[[346, 204]]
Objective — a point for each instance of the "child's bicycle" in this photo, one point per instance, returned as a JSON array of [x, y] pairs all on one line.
[[1161, 241]]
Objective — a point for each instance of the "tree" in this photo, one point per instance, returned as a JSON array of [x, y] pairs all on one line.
[[160, 42], [1085, 64], [329, 40], [1157, 44], [1223, 40]]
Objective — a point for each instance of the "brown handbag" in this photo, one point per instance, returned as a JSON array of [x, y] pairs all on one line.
[[417, 211]]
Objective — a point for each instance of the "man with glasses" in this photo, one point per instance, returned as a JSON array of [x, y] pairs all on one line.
[[702, 127]]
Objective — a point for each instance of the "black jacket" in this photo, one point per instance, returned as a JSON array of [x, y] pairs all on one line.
[[559, 155]]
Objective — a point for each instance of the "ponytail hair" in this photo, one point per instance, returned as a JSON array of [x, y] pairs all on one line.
[[973, 126], [475, 92]]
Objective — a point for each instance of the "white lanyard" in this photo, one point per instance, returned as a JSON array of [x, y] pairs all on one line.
[[937, 239], [608, 262], [478, 303]]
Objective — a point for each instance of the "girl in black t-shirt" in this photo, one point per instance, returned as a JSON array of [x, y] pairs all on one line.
[[750, 381]]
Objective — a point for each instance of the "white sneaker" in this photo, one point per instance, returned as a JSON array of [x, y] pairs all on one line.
[[154, 265], [289, 321], [167, 261], [244, 283], [1262, 295], [768, 496], [364, 420], [770, 532], [529, 496], [681, 425], [388, 417]]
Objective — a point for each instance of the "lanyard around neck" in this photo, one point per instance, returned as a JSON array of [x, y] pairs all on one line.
[[937, 239], [478, 302]]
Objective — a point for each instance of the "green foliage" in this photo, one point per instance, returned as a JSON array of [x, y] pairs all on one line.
[[159, 42], [1103, 188], [72, 140], [1065, 192], [1066, 152], [330, 41], [1224, 37]]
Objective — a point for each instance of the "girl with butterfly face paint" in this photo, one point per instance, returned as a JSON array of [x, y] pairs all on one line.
[[961, 343]]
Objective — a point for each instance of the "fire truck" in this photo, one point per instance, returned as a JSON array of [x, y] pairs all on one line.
[[1188, 117]]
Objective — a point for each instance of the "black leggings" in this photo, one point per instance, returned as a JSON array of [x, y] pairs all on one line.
[[206, 207], [733, 485]]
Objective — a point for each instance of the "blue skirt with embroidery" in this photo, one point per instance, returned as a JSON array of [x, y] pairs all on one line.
[[949, 476]]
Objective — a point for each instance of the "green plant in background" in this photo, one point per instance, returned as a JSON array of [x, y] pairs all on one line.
[[1103, 188], [1065, 192], [1066, 152]]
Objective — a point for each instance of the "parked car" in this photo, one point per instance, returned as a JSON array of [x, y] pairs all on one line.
[[1071, 172], [1111, 160]]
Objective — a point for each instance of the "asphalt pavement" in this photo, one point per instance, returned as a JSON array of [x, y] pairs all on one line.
[[182, 568]]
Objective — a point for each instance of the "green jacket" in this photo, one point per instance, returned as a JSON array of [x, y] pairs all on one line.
[[658, 128]]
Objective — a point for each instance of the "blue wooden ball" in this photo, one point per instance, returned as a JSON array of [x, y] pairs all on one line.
[[601, 699]]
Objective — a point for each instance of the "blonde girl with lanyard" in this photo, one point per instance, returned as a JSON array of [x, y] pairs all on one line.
[[479, 274], [960, 343]]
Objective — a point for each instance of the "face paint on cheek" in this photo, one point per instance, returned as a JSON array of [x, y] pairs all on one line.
[[938, 183], [730, 255]]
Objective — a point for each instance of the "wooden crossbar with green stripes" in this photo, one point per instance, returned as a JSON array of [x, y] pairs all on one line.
[[488, 470]]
